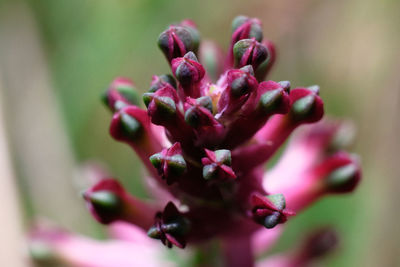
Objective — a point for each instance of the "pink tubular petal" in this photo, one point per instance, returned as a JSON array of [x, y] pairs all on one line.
[[309, 146], [77, 250], [314, 183], [128, 232]]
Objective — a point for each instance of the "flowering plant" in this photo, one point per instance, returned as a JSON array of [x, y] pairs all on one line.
[[204, 139]]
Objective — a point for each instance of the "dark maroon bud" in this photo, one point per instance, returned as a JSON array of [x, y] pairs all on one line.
[[246, 28], [170, 227], [162, 81], [125, 126], [345, 174], [176, 41], [270, 210], [109, 202], [121, 93], [320, 243], [217, 165], [187, 69], [241, 85], [307, 106], [249, 52], [169, 163], [161, 105]]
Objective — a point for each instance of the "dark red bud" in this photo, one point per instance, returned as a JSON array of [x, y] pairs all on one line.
[[249, 52], [217, 165], [161, 81], [246, 28], [169, 163], [176, 41], [121, 93], [319, 243], [187, 69], [170, 227], [161, 105], [105, 201], [125, 127], [270, 210], [307, 106]]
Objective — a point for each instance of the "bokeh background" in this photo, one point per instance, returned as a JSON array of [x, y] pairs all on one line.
[[58, 56]]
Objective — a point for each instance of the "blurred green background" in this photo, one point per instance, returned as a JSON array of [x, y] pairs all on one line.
[[58, 56]]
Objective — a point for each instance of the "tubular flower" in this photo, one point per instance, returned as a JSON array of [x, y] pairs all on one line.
[[204, 142]]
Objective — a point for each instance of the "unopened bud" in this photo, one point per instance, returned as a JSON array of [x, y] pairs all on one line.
[[217, 165], [307, 106], [343, 179], [170, 227], [246, 28], [169, 163], [271, 100], [176, 41], [249, 52], [270, 210], [130, 126], [187, 69], [162, 81], [121, 93]]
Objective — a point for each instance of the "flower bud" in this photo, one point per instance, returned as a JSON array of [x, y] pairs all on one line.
[[170, 227], [216, 165], [273, 101], [176, 41], [169, 163], [270, 210], [127, 127], [161, 81], [199, 111], [109, 202], [106, 205], [319, 243], [240, 86], [273, 97], [246, 28], [250, 52], [121, 92], [207, 130], [189, 72], [161, 105], [343, 179], [307, 106]]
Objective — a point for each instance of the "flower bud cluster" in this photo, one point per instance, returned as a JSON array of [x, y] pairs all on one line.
[[205, 142]]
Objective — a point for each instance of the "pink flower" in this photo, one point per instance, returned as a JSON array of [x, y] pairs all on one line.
[[204, 144]]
